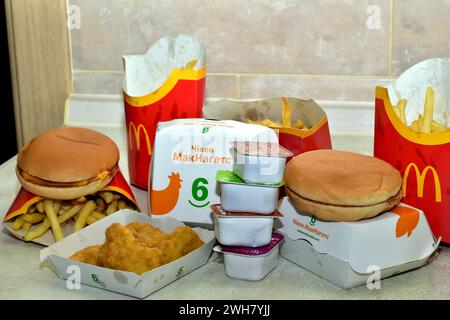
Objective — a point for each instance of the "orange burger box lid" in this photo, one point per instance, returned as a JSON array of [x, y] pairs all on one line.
[[350, 254], [317, 136], [25, 199], [128, 283], [422, 158]]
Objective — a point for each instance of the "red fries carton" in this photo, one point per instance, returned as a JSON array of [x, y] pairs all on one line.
[[315, 135], [25, 199], [422, 158], [168, 82]]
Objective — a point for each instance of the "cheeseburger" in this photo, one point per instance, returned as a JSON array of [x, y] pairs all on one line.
[[67, 163], [68, 174], [342, 186]]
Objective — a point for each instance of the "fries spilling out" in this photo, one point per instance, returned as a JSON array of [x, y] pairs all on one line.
[[55, 214], [425, 122], [286, 119]]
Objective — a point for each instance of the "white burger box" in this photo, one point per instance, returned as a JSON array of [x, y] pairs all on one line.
[[349, 253], [187, 155], [128, 283]]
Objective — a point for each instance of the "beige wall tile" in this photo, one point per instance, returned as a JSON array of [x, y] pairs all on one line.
[[421, 30], [254, 36], [221, 86], [94, 82], [97, 82], [318, 88]]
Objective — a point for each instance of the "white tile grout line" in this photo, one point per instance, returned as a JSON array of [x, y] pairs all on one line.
[[391, 28], [240, 74]]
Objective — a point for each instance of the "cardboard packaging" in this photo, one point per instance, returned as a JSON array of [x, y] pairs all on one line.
[[422, 158], [168, 82], [25, 199], [348, 253], [295, 140], [188, 153], [127, 283]]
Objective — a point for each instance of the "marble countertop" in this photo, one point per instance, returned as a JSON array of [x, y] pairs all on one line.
[[23, 277]]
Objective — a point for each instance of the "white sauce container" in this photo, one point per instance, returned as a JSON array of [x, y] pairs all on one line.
[[259, 162], [251, 264], [242, 230], [260, 199]]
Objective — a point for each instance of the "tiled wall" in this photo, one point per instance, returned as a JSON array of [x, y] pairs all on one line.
[[325, 49]]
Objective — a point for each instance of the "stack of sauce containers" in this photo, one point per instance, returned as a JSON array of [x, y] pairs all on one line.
[[244, 220]]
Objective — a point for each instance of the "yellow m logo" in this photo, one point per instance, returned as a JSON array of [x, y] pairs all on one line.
[[137, 136], [420, 177]]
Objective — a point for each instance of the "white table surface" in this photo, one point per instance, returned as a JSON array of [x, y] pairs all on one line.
[[23, 277]]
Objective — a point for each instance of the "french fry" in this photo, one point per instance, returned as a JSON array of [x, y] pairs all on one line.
[[286, 113], [51, 215], [437, 127], [31, 209], [40, 206], [17, 224], [121, 204], [33, 218], [70, 213], [101, 205], [98, 215], [38, 231], [45, 225], [116, 196], [111, 208], [26, 226], [107, 196], [87, 209], [91, 220], [420, 122], [57, 206], [401, 105], [299, 124], [428, 111]]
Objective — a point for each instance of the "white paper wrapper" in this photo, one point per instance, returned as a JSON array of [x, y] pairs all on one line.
[[412, 85], [146, 73]]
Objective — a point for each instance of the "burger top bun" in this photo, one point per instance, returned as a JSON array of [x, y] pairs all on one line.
[[67, 163], [342, 186]]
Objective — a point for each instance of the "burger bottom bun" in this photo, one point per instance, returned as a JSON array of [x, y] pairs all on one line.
[[66, 193], [336, 213]]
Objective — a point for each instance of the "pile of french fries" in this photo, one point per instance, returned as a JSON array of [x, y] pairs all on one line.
[[425, 122], [286, 119], [55, 214]]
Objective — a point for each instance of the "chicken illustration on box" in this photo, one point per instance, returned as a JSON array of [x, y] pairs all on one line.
[[163, 201]]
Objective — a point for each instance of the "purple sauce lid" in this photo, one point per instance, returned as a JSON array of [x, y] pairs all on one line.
[[277, 238]]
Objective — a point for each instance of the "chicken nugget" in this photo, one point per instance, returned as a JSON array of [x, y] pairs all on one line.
[[123, 251], [87, 255], [182, 241], [147, 234]]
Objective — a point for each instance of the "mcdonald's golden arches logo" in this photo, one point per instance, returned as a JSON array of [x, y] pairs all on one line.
[[137, 135], [420, 178]]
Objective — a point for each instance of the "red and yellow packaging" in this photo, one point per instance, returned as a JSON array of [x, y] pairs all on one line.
[[423, 160], [317, 136], [181, 96], [25, 199]]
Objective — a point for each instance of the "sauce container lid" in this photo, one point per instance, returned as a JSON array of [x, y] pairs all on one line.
[[277, 238], [225, 176], [218, 211], [262, 149]]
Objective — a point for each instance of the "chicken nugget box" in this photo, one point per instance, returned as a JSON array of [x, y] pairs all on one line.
[[350, 254], [128, 283], [187, 155]]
